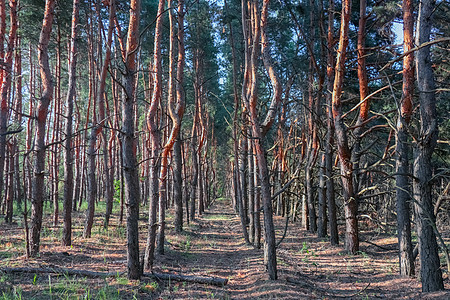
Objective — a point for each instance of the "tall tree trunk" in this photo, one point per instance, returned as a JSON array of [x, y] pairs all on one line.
[[37, 200], [243, 185], [176, 111], [350, 205], [403, 188], [177, 157], [130, 166], [430, 272], [4, 101], [334, 235], [363, 93], [68, 162], [155, 142], [251, 192], [20, 185], [6, 77], [259, 35]]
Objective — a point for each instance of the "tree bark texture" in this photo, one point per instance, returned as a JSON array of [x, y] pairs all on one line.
[[69, 158], [132, 191], [332, 216], [37, 199], [403, 188], [350, 205], [430, 271], [6, 78], [177, 157], [155, 140]]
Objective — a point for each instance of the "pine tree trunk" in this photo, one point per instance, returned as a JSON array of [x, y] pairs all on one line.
[[130, 166], [350, 205], [430, 271], [322, 220], [37, 200], [177, 157], [403, 188], [155, 142], [6, 78], [68, 161], [334, 236], [178, 185]]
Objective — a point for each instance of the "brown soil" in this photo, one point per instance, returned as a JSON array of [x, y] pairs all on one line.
[[308, 267]]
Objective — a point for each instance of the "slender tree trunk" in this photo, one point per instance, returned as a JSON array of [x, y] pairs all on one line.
[[430, 271], [243, 187], [363, 93], [6, 78], [194, 169], [178, 185], [20, 185], [10, 187], [334, 236], [350, 205], [403, 188], [176, 111], [257, 195], [177, 157], [155, 142], [322, 220], [4, 100], [68, 162], [37, 200], [130, 166], [251, 192]]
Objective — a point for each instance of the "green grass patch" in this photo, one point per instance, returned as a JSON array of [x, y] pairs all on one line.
[[216, 217]]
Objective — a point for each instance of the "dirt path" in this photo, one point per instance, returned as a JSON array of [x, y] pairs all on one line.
[[308, 267]]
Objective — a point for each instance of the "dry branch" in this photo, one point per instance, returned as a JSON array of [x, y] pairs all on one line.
[[189, 278], [92, 274]]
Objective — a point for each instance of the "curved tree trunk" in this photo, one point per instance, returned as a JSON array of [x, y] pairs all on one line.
[[155, 143], [350, 205], [37, 200]]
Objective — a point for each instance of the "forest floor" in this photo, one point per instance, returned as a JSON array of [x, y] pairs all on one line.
[[308, 267]]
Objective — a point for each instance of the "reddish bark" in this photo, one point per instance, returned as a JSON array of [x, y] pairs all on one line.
[[177, 157], [334, 236], [6, 76], [130, 166], [69, 158], [403, 188], [41, 120], [350, 205], [154, 138], [176, 111]]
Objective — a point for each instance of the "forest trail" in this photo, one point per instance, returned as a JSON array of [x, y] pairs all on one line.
[[308, 267], [211, 246]]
